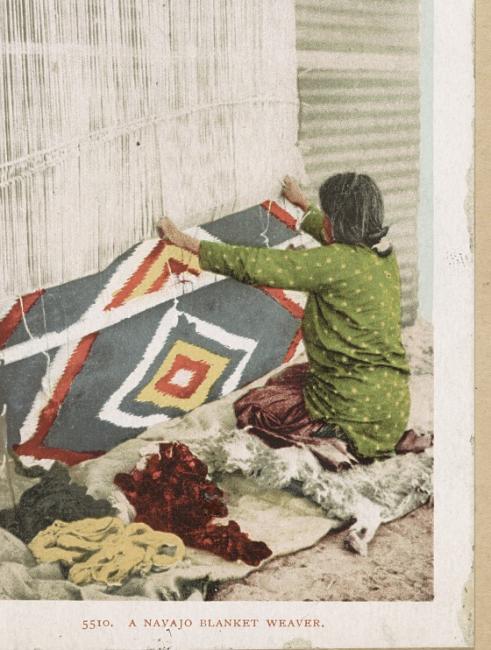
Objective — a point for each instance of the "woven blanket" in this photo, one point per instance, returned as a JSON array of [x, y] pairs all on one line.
[[94, 362], [393, 487], [282, 497], [249, 471]]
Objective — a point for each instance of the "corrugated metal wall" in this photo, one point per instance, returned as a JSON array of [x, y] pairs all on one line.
[[359, 90]]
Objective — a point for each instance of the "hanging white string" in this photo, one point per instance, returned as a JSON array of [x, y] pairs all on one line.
[[282, 202], [47, 389], [264, 234], [110, 106], [45, 352]]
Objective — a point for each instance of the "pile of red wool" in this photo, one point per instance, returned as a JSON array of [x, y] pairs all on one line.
[[172, 494]]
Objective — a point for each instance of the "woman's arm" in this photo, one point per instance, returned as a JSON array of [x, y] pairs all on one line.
[[317, 225], [314, 222], [170, 231], [291, 190], [282, 269]]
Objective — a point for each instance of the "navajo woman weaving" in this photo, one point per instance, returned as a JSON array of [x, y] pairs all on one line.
[[351, 401]]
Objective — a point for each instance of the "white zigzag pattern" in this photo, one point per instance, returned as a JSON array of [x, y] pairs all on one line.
[[96, 319]]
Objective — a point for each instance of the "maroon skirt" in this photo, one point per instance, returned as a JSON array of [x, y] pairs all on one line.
[[276, 413]]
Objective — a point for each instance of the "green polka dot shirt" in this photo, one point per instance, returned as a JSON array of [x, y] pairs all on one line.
[[359, 375]]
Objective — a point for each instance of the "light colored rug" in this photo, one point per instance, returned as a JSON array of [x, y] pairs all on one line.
[[282, 497]]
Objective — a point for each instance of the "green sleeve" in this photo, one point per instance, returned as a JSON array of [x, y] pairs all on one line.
[[313, 223], [283, 269]]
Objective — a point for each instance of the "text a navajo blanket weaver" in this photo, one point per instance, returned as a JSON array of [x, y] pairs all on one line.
[[93, 362]]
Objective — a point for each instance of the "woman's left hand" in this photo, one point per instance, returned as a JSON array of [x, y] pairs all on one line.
[[291, 191], [168, 230]]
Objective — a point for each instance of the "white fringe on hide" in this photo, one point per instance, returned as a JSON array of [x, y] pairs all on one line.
[[115, 112]]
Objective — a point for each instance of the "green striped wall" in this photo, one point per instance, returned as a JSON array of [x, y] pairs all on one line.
[[358, 81]]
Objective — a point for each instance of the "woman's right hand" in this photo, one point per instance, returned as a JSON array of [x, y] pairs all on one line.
[[291, 190], [168, 230]]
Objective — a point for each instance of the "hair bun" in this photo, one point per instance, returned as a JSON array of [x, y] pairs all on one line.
[[383, 248]]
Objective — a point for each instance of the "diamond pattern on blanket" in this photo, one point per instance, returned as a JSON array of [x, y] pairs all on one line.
[[164, 261], [185, 364], [185, 378], [149, 338]]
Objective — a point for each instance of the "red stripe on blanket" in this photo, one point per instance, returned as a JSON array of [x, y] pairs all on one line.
[[161, 280], [293, 345], [48, 415], [197, 369], [137, 276], [281, 214], [290, 305], [66, 456], [11, 321], [172, 266]]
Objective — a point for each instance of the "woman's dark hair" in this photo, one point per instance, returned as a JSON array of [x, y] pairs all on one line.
[[355, 208]]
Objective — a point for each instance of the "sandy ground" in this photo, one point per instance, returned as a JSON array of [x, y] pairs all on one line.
[[399, 567]]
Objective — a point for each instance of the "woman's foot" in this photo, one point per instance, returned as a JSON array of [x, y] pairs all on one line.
[[333, 455], [412, 442]]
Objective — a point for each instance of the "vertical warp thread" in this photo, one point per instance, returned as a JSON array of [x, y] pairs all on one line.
[[115, 110]]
